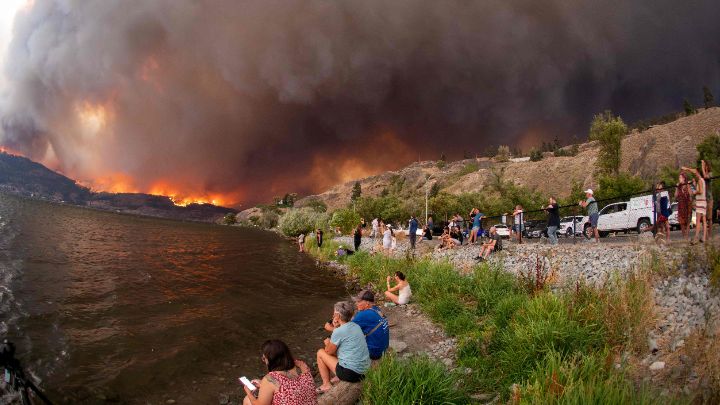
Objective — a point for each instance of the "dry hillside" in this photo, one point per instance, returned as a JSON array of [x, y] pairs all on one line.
[[644, 153]]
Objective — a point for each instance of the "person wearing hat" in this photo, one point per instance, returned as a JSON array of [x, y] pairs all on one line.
[[592, 210], [387, 239], [372, 322]]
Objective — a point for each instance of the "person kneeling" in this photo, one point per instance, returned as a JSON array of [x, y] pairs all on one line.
[[345, 353], [287, 381]]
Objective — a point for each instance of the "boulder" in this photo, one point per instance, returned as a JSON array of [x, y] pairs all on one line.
[[342, 393]]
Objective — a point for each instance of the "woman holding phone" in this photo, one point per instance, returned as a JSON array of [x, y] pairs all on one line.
[[288, 381]]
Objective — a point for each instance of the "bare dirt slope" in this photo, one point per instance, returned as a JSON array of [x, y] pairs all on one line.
[[672, 144]]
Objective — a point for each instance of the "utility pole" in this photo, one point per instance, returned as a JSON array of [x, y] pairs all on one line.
[[427, 191]]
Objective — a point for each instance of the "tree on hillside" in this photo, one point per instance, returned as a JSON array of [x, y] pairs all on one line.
[[708, 98], [688, 107], [621, 184], [356, 191], [535, 155], [709, 150], [434, 190], [608, 130]]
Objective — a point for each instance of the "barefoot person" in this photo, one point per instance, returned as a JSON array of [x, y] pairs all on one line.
[[372, 322], [402, 287], [301, 242], [684, 201], [288, 381], [700, 206], [345, 353]]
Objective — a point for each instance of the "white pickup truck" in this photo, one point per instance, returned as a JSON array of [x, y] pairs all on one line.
[[634, 215]]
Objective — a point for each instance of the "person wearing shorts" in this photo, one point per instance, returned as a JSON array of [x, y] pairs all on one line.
[[592, 210], [346, 352]]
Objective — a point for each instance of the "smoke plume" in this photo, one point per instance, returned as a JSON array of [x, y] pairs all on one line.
[[243, 100]]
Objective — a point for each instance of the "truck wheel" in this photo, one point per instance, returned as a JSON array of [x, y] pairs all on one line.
[[588, 232], [568, 232], [643, 225]]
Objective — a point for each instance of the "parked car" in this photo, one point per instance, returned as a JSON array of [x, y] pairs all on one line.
[[673, 219], [503, 231], [539, 230], [533, 228], [566, 225], [634, 215]]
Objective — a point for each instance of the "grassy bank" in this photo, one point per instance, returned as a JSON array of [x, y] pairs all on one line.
[[517, 339]]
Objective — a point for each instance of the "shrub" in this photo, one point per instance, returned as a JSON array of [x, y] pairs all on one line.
[[301, 220], [503, 153], [416, 380], [622, 184], [229, 219], [536, 155], [316, 205], [346, 219]]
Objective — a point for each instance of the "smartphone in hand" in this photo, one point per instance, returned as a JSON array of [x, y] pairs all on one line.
[[250, 386]]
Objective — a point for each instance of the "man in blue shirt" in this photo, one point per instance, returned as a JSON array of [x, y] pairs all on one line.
[[373, 324], [412, 231]]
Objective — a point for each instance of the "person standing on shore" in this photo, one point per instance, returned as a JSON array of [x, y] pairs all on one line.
[[319, 237], [475, 214], [374, 225], [518, 222], [700, 207], [357, 237], [592, 210], [412, 231], [387, 240], [662, 208], [301, 242], [684, 201], [430, 224], [707, 175], [553, 220]]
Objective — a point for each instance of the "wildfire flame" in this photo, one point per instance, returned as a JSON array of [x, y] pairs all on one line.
[[183, 199]]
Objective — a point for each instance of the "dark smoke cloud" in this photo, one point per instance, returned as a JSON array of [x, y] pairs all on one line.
[[265, 97]]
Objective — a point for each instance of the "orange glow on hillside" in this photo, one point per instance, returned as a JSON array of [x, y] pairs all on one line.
[[5, 149], [113, 183], [182, 198]]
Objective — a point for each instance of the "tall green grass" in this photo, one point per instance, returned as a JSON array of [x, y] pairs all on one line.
[[539, 341], [416, 380]]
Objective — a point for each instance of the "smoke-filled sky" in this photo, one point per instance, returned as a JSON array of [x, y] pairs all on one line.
[[239, 101]]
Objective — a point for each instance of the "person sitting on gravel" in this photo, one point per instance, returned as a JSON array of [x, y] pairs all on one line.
[[346, 352], [492, 245], [446, 241], [372, 322], [402, 287], [456, 235], [288, 381], [427, 233]]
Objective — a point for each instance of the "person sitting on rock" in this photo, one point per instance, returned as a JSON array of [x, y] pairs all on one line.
[[372, 322], [288, 381], [402, 287], [492, 245], [346, 352]]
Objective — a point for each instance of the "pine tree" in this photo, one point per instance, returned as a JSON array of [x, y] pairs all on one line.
[[708, 97], [356, 192], [689, 109]]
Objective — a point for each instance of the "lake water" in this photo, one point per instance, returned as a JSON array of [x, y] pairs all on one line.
[[106, 307]]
